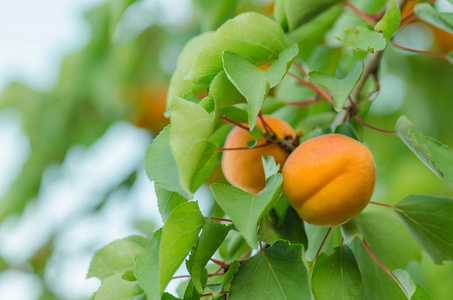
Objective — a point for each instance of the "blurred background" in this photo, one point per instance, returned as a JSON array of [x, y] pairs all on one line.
[[82, 94]]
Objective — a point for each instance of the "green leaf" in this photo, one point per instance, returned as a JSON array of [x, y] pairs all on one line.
[[224, 91], [211, 14], [347, 130], [364, 39], [389, 239], [251, 35], [168, 248], [191, 292], [253, 83], [275, 73], [340, 88], [280, 14], [117, 257], [316, 234], [289, 227], [228, 277], [377, 284], [389, 24], [412, 290], [337, 276], [167, 200], [116, 10], [270, 166], [278, 272], [168, 296], [249, 81], [190, 129], [117, 288], [210, 239], [437, 156], [429, 14], [245, 209], [160, 164], [299, 12], [430, 221], [309, 35], [178, 85]]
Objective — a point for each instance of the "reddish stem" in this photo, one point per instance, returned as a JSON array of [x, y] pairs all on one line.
[[430, 52], [312, 87], [299, 67], [209, 275], [382, 204], [320, 248], [242, 148], [412, 13], [246, 255], [306, 102], [364, 15], [182, 276], [356, 117], [235, 123], [221, 293], [217, 272], [219, 262], [387, 270], [220, 219], [265, 125]]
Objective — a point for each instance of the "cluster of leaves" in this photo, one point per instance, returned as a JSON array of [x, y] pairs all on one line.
[[100, 84], [243, 68]]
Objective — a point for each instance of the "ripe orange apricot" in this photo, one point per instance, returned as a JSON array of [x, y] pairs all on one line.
[[244, 168], [329, 179], [151, 105]]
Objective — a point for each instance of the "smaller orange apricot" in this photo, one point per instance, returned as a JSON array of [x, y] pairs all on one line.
[[329, 179], [151, 105], [244, 168]]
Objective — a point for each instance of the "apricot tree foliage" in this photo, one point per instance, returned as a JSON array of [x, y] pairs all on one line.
[[314, 64]]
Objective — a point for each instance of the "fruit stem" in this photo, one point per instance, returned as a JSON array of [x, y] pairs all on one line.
[[364, 15], [382, 204], [235, 123], [319, 249], [265, 125], [387, 270], [243, 148], [430, 52], [356, 117], [209, 275]]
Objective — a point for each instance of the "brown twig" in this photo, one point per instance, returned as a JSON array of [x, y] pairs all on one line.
[[219, 263]]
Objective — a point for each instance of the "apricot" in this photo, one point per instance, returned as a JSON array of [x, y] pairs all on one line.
[[244, 168], [329, 179], [151, 105]]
